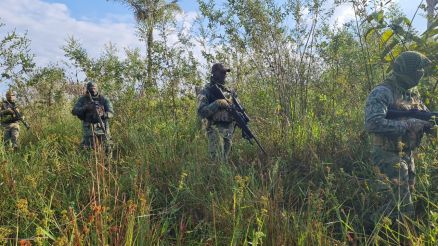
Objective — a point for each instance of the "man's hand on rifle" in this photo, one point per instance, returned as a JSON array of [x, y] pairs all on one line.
[[222, 103], [9, 111], [415, 125], [105, 115]]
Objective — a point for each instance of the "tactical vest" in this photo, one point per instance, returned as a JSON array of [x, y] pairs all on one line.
[[9, 118], [403, 143], [92, 116], [222, 115]]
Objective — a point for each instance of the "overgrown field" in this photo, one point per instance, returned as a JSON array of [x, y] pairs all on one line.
[[303, 80], [160, 187]]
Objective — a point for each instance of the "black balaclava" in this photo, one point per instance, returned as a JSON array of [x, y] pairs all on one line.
[[409, 68]]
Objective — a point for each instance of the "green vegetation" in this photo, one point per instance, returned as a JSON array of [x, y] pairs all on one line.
[[303, 83]]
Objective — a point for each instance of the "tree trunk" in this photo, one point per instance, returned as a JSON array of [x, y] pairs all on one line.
[[430, 11], [150, 41]]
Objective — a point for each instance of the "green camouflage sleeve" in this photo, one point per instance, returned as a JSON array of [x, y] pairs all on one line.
[[109, 111], [375, 112], [206, 109]]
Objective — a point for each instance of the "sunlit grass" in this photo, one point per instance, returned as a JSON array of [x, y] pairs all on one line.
[[160, 188]]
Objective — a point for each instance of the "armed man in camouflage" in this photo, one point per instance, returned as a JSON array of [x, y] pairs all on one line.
[[393, 141], [220, 124], [10, 121], [94, 110]]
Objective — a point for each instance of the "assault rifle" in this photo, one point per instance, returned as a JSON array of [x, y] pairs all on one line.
[[100, 121], [413, 113], [18, 116], [239, 115]]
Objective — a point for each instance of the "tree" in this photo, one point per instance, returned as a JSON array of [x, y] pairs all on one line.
[[430, 9], [16, 60], [107, 70], [274, 43], [148, 14], [49, 83]]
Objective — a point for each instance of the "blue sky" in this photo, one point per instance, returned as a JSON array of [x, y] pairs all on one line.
[[95, 9], [95, 23]]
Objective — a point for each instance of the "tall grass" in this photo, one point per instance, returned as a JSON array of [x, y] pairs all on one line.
[[160, 188]]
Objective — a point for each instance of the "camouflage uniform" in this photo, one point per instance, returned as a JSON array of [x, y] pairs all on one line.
[[220, 125], [9, 122], [393, 141], [84, 110]]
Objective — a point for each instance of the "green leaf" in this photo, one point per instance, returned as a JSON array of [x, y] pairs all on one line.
[[433, 32], [369, 32], [386, 36], [397, 29], [370, 17], [401, 20], [379, 16], [433, 25], [388, 49]]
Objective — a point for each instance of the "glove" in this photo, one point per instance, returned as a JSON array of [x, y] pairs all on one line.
[[416, 125], [222, 103], [415, 131], [432, 131]]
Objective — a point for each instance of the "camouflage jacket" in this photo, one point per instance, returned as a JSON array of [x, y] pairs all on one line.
[[84, 111], [7, 118], [209, 109], [389, 134]]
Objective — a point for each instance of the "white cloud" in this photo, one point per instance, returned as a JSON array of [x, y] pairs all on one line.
[[343, 14], [50, 24]]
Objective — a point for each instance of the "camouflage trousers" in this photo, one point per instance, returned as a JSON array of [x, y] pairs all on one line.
[[395, 184], [93, 135], [219, 141], [10, 135]]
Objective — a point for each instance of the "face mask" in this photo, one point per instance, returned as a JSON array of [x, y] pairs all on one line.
[[413, 79], [420, 74]]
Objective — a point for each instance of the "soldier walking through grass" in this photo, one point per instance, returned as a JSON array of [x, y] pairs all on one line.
[[10, 118], [395, 140], [94, 110], [220, 124]]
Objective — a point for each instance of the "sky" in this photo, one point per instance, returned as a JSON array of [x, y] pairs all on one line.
[[49, 23]]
